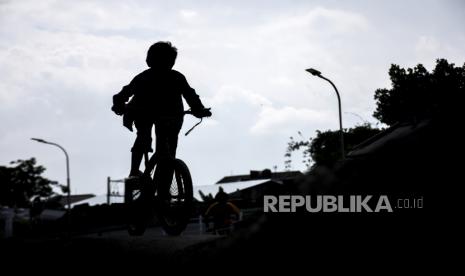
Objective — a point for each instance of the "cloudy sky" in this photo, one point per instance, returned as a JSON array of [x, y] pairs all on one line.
[[61, 62]]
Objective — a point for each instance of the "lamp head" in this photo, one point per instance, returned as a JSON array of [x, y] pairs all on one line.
[[313, 72], [39, 140]]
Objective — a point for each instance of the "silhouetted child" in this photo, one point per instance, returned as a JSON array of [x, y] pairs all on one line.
[[156, 100], [222, 212]]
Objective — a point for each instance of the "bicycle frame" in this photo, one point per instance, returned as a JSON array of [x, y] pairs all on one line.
[[152, 161]]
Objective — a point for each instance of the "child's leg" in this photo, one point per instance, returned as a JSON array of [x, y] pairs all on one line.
[[142, 144], [167, 132], [136, 159]]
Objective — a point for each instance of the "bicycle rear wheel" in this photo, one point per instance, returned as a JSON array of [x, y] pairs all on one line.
[[175, 196]]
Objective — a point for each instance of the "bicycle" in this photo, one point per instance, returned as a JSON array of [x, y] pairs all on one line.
[[164, 190]]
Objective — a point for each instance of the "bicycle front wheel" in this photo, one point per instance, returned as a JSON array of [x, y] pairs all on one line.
[[136, 207], [175, 196]]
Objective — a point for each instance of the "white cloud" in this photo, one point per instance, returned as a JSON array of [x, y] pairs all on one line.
[[427, 44], [188, 14], [229, 94], [317, 21], [428, 48], [287, 120]]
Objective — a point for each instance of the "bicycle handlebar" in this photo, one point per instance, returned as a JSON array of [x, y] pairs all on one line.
[[192, 113]]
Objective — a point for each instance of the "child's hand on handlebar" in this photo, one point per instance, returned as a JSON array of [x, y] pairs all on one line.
[[118, 109], [200, 113]]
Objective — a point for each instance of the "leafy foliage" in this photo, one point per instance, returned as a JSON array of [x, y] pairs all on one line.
[[324, 149], [417, 93], [22, 182]]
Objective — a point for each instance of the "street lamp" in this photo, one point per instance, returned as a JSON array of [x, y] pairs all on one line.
[[68, 184], [341, 133]]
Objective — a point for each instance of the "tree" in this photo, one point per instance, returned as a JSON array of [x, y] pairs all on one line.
[[416, 93], [324, 149], [22, 182]]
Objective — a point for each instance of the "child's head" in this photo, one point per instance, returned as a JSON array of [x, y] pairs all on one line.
[[161, 55]]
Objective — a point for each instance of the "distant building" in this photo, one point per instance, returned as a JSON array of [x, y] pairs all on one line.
[[249, 188], [257, 175], [62, 200]]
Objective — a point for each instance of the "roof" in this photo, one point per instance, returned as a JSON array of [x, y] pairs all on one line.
[[63, 199], [100, 199], [393, 135], [227, 187], [259, 175]]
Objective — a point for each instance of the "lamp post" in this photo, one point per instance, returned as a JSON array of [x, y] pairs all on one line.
[[341, 133], [68, 184]]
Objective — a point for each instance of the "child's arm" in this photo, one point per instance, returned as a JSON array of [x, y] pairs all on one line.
[[120, 99], [123, 96], [192, 99], [198, 110]]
